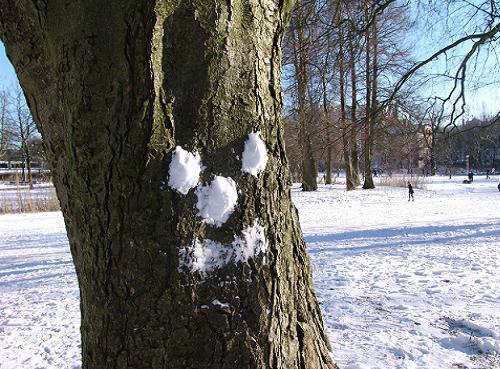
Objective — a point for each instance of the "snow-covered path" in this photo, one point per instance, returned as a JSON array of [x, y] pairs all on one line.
[[401, 285]]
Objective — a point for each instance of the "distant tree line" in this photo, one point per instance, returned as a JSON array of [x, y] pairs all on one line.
[[356, 100], [20, 141], [474, 145]]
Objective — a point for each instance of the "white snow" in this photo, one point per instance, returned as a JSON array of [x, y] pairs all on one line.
[[39, 298], [252, 243], [219, 304], [184, 170], [400, 284], [216, 201], [254, 155], [204, 256], [207, 255]]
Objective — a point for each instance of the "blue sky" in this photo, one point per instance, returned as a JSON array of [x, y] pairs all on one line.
[[7, 73]]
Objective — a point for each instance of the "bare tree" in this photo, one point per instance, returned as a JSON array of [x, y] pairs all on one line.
[[354, 42], [24, 131], [5, 132], [300, 41], [369, 116], [341, 61], [458, 65]]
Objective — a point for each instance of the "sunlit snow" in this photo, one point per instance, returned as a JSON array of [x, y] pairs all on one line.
[[217, 200], [184, 171], [400, 284], [254, 155], [219, 304], [205, 256]]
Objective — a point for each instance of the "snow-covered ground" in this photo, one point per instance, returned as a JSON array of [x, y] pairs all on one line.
[[401, 284], [39, 299], [408, 284]]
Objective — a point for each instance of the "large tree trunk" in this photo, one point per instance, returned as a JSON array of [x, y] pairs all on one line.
[[115, 86]]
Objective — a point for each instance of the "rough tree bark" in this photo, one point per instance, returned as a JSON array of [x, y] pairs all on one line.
[[114, 86]]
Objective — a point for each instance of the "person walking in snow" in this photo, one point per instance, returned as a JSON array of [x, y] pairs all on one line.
[[410, 192]]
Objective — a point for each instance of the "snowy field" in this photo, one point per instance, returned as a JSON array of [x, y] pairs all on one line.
[[408, 284], [401, 284]]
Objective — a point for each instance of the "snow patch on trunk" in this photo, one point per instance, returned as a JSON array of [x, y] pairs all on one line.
[[216, 201], [219, 304], [184, 170], [205, 256], [252, 243], [254, 155]]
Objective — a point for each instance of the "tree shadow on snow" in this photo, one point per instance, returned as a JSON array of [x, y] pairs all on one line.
[[397, 237]]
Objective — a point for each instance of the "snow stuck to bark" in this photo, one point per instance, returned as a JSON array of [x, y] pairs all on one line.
[[217, 200], [253, 243], [184, 170], [219, 304], [205, 256], [254, 155]]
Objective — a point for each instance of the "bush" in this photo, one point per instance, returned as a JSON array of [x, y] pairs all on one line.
[[416, 181], [22, 201]]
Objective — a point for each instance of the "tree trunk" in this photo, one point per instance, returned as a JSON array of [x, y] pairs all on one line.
[[300, 56], [309, 169], [115, 86], [329, 163], [374, 105], [27, 155], [3, 124], [343, 121], [354, 101], [23, 171], [328, 177], [432, 151], [368, 183]]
